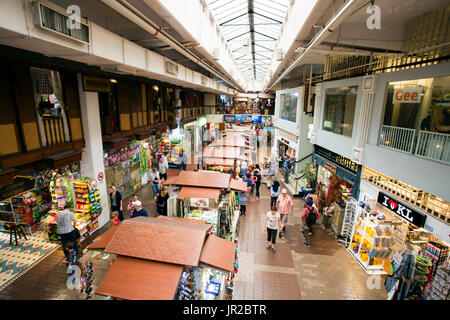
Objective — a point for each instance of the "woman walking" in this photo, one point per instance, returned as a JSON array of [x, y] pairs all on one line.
[[257, 183], [243, 202], [161, 201], [273, 224], [274, 193], [116, 201]]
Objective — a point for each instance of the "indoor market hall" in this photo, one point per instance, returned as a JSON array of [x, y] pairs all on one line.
[[266, 150]]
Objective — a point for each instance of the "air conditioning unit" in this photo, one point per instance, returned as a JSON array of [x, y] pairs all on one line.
[[216, 53], [279, 54], [67, 23], [171, 68]]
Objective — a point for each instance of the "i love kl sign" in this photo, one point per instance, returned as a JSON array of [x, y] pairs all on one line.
[[402, 210]]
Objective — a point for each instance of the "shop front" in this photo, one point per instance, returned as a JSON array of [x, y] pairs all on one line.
[[386, 227], [36, 209], [122, 166], [337, 182]]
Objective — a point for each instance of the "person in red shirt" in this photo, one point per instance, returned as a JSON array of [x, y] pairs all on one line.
[[309, 217]]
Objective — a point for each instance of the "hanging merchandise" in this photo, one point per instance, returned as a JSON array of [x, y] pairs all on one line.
[[87, 277], [144, 156], [88, 203], [440, 287]]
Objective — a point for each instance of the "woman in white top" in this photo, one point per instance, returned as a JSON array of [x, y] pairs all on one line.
[[273, 224]]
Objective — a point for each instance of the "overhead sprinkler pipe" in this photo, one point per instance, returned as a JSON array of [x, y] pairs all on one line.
[[320, 37], [128, 11]]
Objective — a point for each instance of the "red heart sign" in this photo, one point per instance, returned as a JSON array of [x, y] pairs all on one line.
[[393, 204]]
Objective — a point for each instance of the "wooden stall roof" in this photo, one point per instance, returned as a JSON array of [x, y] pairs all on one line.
[[218, 253], [102, 241], [219, 162], [203, 179], [181, 219], [238, 185], [137, 279], [162, 240], [195, 192], [170, 180]]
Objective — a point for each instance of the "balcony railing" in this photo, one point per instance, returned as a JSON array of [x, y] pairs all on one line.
[[54, 130], [396, 138], [433, 146], [429, 145]]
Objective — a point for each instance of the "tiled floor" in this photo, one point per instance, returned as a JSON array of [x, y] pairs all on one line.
[[324, 271]]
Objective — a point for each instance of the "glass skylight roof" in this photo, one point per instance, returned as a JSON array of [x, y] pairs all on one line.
[[254, 22]]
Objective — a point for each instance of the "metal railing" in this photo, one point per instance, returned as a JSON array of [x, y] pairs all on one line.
[[396, 138], [433, 146]]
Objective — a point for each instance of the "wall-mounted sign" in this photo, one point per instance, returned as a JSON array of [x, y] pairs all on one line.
[[213, 287], [330, 167], [229, 118], [411, 215], [96, 84], [337, 159], [200, 202], [411, 95], [201, 121]]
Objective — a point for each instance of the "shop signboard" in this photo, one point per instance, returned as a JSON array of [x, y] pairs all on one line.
[[330, 167], [213, 288], [229, 118], [19, 186], [200, 202], [410, 95], [201, 121], [416, 218], [256, 119]]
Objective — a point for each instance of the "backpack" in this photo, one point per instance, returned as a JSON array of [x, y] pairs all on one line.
[[311, 217]]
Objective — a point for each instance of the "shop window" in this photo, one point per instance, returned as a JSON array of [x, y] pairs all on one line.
[[288, 106], [339, 111], [157, 103], [170, 104], [422, 104], [50, 106], [109, 112]]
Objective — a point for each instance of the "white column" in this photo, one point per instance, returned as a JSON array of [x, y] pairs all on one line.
[[318, 105], [92, 158], [368, 93]]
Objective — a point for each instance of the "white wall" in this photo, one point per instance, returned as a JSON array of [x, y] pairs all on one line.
[[431, 176], [439, 70], [337, 143], [92, 157]]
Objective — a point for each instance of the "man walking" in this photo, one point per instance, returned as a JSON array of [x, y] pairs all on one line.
[[309, 217], [66, 229], [154, 177], [139, 211], [285, 207]]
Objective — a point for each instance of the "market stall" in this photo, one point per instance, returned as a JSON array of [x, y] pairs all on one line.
[[182, 270]]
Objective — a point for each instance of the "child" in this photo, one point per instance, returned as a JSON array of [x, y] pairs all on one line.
[[243, 202], [71, 257], [115, 216]]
